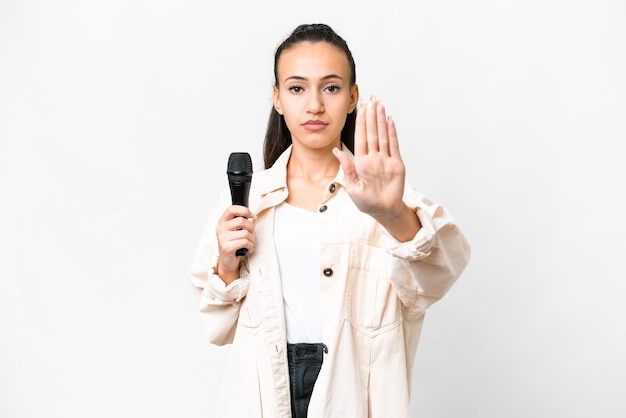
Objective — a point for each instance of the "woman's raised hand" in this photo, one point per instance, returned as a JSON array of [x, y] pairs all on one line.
[[375, 179]]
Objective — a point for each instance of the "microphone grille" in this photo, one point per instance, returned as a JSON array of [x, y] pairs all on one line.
[[239, 162]]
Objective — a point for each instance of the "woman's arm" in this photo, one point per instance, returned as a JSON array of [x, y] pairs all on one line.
[[428, 251], [423, 269], [219, 303]]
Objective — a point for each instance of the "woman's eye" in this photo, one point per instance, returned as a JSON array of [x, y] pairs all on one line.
[[295, 89], [333, 88]]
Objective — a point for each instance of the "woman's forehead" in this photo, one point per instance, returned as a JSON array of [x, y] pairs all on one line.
[[313, 60]]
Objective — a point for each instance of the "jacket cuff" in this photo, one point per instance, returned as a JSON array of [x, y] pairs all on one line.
[[419, 247], [225, 294]]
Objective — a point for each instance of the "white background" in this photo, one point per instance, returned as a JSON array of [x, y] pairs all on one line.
[[116, 122]]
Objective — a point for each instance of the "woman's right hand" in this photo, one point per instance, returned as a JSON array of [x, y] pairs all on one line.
[[235, 230]]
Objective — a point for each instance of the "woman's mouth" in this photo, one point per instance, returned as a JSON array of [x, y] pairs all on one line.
[[314, 125]]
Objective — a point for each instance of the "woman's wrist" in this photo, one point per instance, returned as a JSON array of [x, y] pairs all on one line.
[[403, 224], [227, 275]]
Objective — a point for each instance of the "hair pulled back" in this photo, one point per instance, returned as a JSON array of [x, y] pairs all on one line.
[[277, 136]]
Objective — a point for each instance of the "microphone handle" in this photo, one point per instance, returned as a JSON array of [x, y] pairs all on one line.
[[239, 192]]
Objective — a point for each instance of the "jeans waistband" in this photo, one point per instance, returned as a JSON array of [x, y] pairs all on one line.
[[306, 351]]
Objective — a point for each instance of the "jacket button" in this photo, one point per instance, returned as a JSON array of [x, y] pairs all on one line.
[[332, 188], [323, 208], [328, 272]]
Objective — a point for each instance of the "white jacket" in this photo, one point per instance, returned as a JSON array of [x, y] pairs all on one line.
[[374, 292]]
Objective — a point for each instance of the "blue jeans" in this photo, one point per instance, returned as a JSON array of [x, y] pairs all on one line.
[[305, 362]]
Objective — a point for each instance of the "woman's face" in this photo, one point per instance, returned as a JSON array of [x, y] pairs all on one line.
[[314, 93]]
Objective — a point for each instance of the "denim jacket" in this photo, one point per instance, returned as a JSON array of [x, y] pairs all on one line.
[[374, 293]]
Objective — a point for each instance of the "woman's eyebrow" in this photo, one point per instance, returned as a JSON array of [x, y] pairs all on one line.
[[326, 77]]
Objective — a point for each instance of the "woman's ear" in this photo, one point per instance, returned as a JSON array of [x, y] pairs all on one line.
[[354, 97], [276, 100]]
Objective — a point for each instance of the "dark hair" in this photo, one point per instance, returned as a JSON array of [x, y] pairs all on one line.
[[277, 136]]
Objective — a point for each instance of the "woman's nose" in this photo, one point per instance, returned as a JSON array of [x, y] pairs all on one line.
[[315, 104]]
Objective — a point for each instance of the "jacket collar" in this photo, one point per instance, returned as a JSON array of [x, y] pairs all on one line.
[[275, 177], [271, 184]]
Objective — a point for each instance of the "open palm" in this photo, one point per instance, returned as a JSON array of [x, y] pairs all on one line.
[[375, 178]]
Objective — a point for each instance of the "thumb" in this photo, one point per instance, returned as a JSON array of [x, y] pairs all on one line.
[[347, 166]]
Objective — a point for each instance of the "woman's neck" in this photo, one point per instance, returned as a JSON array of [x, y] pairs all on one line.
[[308, 175], [312, 165]]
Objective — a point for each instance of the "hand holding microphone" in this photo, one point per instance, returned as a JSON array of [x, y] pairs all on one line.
[[235, 230], [239, 173]]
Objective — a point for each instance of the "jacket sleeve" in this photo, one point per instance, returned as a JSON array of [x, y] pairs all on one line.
[[424, 269], [218, 304]]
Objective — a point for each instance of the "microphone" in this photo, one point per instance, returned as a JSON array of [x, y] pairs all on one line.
[[239, 173]]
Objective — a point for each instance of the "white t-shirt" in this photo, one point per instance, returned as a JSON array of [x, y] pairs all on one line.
[[297, 245]]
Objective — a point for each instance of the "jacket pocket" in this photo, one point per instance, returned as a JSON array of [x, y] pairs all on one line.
[[372, 304], [249, 315]]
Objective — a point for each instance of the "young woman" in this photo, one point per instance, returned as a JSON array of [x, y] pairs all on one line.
[[344, 256]]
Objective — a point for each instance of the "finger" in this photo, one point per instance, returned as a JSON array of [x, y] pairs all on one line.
[[243, 244], [244, 211], [230, 248], [394, 146], [234, 211], [231, 241], [349, 172], [239, 239], [234, 228], [227, 237], [242, 239], [371, 126], [360, 143], [381, 125], [238, 223]]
